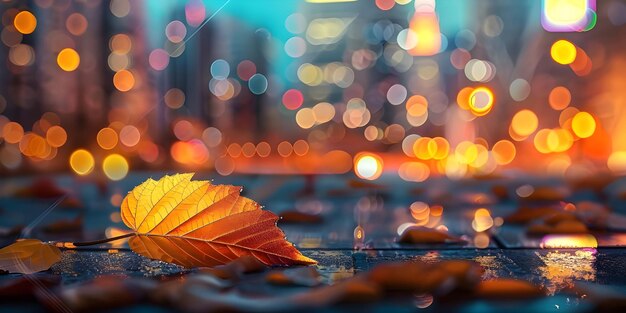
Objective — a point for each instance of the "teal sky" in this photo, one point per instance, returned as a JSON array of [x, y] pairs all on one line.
[[271, 15]]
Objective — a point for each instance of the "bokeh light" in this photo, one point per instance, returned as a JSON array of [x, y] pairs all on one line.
[[175, 31], [263, 149], [82, 162], [568, 15], [107, 138], [481, 101], [504, 152], [68, 59], [324, 112], [559, 98], [300, 147], [34, 146], [115, 167], [212, 137], [129, 135], [524, 123], [120, 8], [124, 80], [76, 24], [257, 84], [220, 69], [159, 59], [305, 118], [482, 220], [286, 101], [583, 125], [192, 152], [12, 132], [414, 171], [396, 94], [385, 4], [184, 130], [245, 69], [56, 136], [120, 44], [284, 149], [519, 89], [368, 166], [292, 99], [25, 22], [617, 162], [174, 98], [425, 25], [295, 47], [563, 52]]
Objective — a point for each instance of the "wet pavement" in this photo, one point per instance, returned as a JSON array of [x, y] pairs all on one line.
[[359, 227]]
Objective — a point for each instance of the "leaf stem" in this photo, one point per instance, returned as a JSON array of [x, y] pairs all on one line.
[[96, 242]]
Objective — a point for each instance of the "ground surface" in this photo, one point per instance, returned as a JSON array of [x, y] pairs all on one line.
[[343, 204]]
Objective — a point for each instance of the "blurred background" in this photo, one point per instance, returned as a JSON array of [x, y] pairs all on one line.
[[417, 89]]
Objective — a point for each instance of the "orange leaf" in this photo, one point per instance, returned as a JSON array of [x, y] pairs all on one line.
[[196, 223], [27, 256]]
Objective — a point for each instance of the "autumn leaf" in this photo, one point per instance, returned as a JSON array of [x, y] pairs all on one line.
[[27, 256], [425, 235], [196, 223]]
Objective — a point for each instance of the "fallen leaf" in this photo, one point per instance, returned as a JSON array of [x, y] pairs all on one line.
[[41, 188], [196, 223], [340, 192], [466, 273], [500, 191], [562, 227], [71, 202], [490, 176], [506, 289], [27, 256], [593, 214], [420, 234], [235, 269], [24, 287], [65, 226], [606, 298], [353, 183], [559, 217], [47, 188], [353, 290], [546, 194], [11, 231], [170, 292], [406, 276], [207, 299], [101, 293], [296, 217], [558, 222], [418, 277], [300, 276], [524, 214], [596, 182]]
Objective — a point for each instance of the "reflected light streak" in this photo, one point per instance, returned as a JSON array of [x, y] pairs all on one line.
[[562, 269], [569, 241]]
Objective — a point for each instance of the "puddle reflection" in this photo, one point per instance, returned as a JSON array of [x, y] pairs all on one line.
[[562, 268]]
